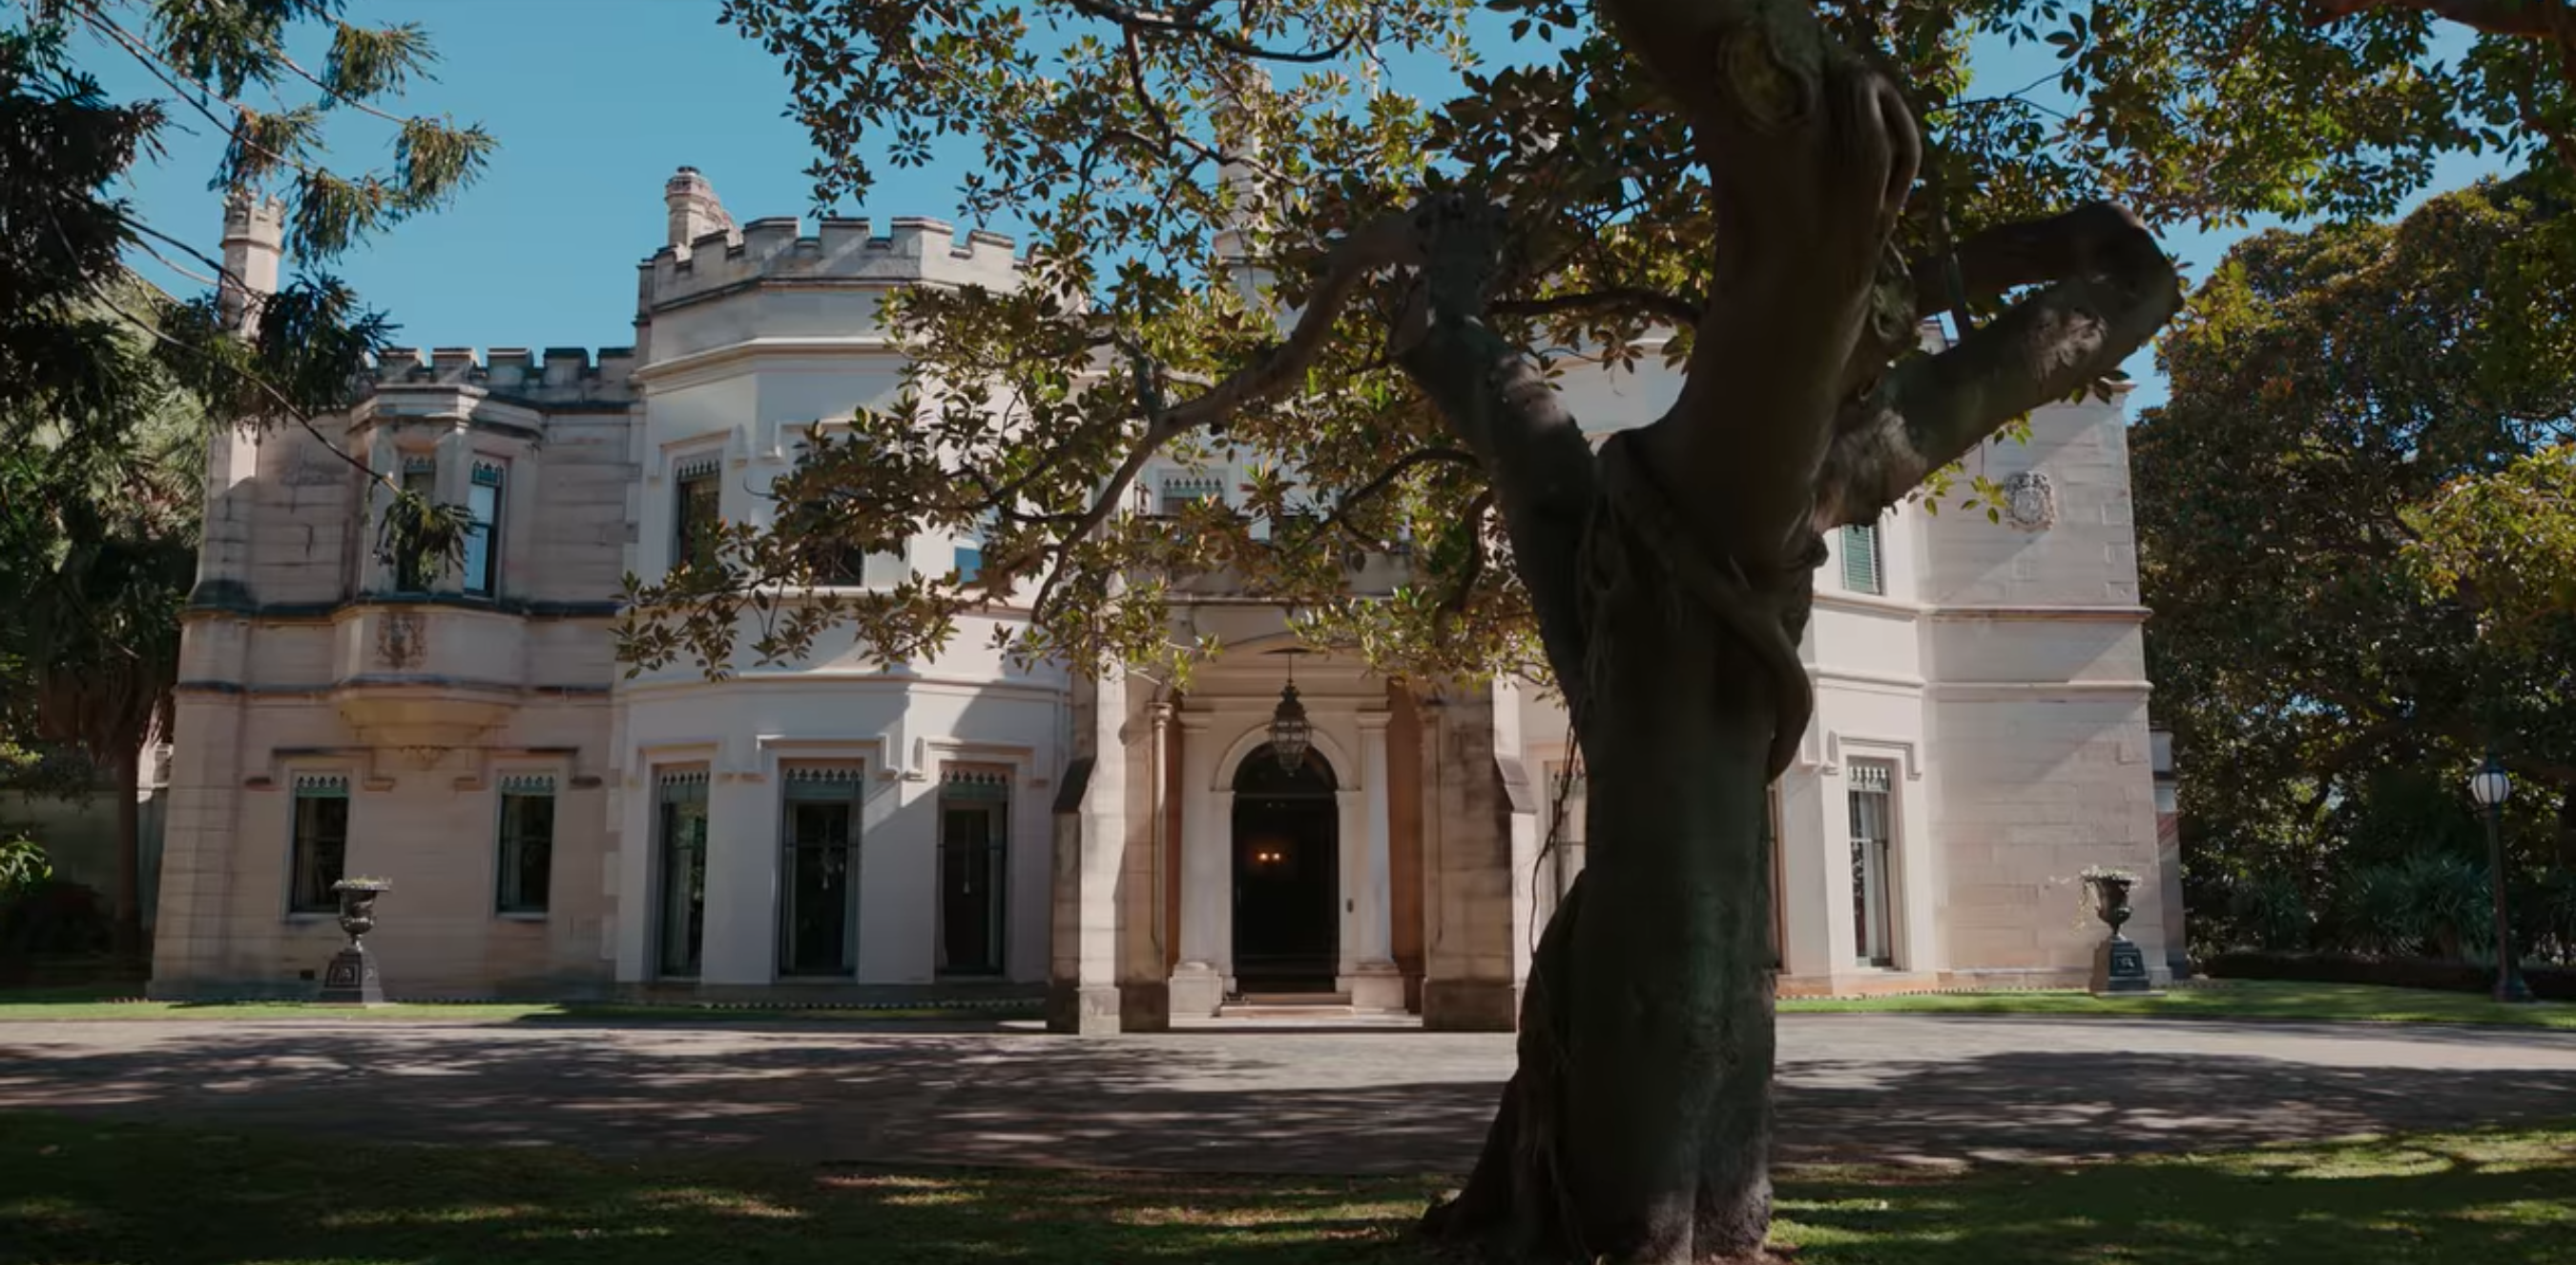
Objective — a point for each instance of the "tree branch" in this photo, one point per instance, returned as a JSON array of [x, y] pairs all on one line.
[[1188, 23], [1670, 308], [2023, 253], [1386, 478], [1540, 466], [1476, 510], [1387, 241], [2495, 17], [2118, 288]]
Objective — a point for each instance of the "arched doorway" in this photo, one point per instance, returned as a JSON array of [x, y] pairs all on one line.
[[1287, 875]]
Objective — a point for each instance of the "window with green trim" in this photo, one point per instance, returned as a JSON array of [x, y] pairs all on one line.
[[1861, 571]]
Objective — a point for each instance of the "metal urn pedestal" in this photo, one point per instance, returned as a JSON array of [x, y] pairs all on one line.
[[351, 978], [2119, 965]]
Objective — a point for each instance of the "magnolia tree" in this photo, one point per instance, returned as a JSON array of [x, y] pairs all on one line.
[[1358, 239]]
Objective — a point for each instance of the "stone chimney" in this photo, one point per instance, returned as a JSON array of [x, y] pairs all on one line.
[[254, 242], [695, 212]]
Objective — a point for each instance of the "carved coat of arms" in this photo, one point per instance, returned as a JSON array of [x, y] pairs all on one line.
[[401, 641], [2030, 501]]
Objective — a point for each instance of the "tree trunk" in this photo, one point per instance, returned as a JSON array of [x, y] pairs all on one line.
[[1638, 1127], [129, 854]]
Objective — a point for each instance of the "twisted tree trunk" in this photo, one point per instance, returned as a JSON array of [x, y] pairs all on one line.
[[1672, 574], [1638, 1126]]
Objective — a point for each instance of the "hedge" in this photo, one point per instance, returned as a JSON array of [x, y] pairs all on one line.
[[2551, 983]]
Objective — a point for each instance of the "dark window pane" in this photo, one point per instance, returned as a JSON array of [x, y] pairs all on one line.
[[483, 502], [683, 878], [321, 852], [700, 513], [527, 852], [971, 868]]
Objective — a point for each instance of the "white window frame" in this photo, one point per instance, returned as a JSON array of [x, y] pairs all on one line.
[[1877, 886]]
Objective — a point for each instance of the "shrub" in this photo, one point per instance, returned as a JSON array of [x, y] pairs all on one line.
[[2545, 915], [2426, 904], [22, 861], [2269, 911], [53, 916]]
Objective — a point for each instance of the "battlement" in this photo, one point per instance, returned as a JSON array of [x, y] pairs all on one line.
[[777, 249], [563, 375], [259, 219]]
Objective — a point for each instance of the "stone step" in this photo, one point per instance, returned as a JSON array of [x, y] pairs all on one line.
[[1291, 999], [1312, 1006]]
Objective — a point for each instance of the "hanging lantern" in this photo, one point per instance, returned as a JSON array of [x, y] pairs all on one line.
[[1290, 734]]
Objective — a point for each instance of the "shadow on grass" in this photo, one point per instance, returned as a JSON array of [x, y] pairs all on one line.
[[2463, 1199], [85, 1193]]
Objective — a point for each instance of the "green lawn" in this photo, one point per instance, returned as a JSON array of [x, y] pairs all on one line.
[[2223, 999], [85, 1193], [88, 1004]]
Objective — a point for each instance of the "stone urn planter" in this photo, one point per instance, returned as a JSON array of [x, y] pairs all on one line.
[[351, 978], [2111, 898], [358, 906], [2119, 965]]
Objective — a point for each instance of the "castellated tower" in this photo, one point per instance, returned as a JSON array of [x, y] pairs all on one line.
[[253, 244], [695, 210], [717, 285]]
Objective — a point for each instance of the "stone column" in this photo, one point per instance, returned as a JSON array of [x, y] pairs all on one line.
[[1375, 983], [1207, 898], [1468, 981], [1091, 849]]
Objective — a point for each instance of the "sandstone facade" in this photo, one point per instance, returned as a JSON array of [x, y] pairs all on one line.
[[837, 828]]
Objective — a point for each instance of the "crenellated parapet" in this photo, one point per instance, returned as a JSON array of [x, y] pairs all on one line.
[[562, 375], [777, 251]]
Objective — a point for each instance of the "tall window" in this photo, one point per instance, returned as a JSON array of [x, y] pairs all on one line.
[[681, 871], [527, 844], [1873, 879], [818, 915], [1861, 572], [483, 541], [974, 836], [697, 511], [319, 852], [420, 478]]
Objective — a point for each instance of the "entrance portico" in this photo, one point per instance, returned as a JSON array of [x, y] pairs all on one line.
[[1178, 829], [1284, 877]]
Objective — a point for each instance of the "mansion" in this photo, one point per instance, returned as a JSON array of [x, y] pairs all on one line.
[[833, 829]]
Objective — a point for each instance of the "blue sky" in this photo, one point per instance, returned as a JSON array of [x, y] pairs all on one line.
[[595, 103]]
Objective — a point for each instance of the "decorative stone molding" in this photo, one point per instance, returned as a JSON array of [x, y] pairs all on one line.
[[2030, 501]]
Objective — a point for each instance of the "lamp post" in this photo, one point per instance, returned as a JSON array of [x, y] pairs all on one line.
[[2490, 788]]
